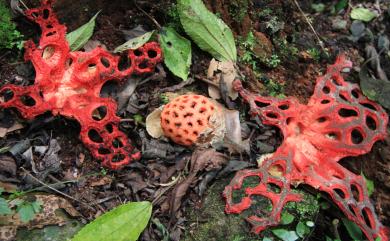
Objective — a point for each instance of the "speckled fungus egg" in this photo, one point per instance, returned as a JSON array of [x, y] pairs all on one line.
[[192, 119]]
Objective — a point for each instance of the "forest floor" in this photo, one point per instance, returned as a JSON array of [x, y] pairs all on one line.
[[279, 55]]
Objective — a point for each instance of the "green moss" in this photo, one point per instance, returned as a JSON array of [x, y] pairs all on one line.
[[9, 36], [212, 224]]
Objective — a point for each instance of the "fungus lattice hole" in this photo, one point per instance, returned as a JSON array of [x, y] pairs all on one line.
[[332, 136], [355, 93], [99, 113], [339, 192], [105, 62], [343, 97], [118, 157], [336, 82], [326, 90], [322, 119], [356, 136], [371, 123], [68, 63], [104, 151], [284, 107], [369, 106], [356, 192], [48, 52], [124, 63], [6, 95], [95, 136], [27, 100], [143, 64], [109, 88], [117, 143], [324, 102], [152, 54], [46, 13], [138, 52], [367, 214], [352, 209], [261, 104], [289, 120], [109, 128], [344, 112], [248, 182], [272, 187], [272, 115]]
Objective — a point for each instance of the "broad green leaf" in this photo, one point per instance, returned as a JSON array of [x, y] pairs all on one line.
[[4, 208], [209, 32], [26, 212], [369, 184], [353, 230], [124, 223], [285, 235], [362, 14], [134, 43], [80, 36], [302, 229], [177, 52], [287, 218]]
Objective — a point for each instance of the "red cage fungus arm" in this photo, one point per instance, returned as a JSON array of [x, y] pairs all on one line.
[[337, 122], [69, 83]]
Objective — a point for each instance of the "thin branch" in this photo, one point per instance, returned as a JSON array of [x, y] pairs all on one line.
[[311, 26], [148, 15]]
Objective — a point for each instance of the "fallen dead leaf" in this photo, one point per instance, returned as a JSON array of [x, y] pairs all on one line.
[[4, 131], [227, 72]]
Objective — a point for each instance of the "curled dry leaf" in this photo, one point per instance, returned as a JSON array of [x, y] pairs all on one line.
[[153, 123], [227, 72], [4, 131], [233, 137]]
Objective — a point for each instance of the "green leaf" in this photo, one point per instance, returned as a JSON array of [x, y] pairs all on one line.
[[177, 52], [285, 235], [134, 43], [302, 229], [124, 223], [4, 208], [318, 7], [341, 5], [209, 32], [80, 36], [353, 230], [369, 184], [287, 218], [363, 14], [26, 212]]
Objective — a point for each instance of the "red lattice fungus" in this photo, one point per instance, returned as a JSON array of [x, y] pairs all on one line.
[[69, 84], [337, 122]]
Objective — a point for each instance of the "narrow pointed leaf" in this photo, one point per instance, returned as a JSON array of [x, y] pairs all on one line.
[[80, 36], [209, 32], [134, 43], [124, 223]]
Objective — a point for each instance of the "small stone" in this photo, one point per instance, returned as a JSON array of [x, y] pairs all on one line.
[[339, 24]]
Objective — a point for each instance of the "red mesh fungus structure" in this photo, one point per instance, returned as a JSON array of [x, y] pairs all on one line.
[[69, 84], [185, 118], [337, 122]]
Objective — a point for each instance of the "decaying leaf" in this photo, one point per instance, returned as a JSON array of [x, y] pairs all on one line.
[[233, 137], [227, 72], [134, 43], [202, 159], [80, 36], [4, 131], [50, 214], [153, 123]]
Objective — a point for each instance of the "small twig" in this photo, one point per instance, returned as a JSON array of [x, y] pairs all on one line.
[[55, 190], [24, 5], [148, 15], [198, 77], [311, 26]]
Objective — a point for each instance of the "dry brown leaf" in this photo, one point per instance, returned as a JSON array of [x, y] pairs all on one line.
[[202, 159], [225, 70], [4, 131]]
